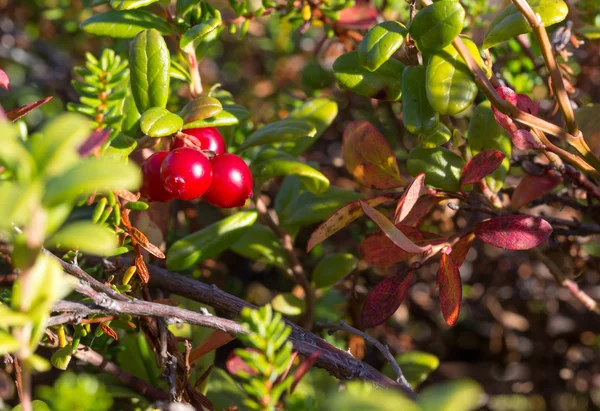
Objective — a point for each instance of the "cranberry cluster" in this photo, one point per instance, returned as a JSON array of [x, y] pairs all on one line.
[[187, 173]]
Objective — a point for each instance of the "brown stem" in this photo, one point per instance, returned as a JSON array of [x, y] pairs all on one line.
[[295, 267], [90, 356]]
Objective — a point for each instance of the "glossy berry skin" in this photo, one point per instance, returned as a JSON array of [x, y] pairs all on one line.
[[208, 138], [152, 187], [232, 182], [186, 173]]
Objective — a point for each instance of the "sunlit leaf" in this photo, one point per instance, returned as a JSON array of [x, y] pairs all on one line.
[[514, 232], [384, 299]]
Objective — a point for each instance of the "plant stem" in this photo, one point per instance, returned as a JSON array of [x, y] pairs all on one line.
[[196, 84]]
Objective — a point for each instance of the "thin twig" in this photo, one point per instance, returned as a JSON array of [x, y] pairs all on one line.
[[384, 349], [90, 356], [295, 266]]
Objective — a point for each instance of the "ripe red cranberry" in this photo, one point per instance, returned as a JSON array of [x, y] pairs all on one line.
[[152, 187], [232, 182], [207, 138], [186, 173]]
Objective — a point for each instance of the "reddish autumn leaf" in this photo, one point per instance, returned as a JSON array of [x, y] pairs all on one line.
[[481, 165], [504, 120], [17, 113], [525, 103], [424, 205], [379, 250], [340, 219], [4, 80], [359, 17], [95, 140], [514, 232], [215, 340], [369, 158], [532, 187], [235, 365], [384, 299], [141, 269], [409, 198], [461, 249], [109, 331], [390, 230], [304, 368], [523, 140], [448, 278], [143, 242]]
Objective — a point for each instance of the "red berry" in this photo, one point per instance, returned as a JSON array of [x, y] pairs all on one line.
[[208, 138], [232, 182], [152, 187], [186, 173]]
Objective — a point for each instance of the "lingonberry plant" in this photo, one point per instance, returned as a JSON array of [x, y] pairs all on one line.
[[413, 141]]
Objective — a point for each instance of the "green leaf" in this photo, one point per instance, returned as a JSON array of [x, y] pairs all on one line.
[[224, 392], [200, 109], [131, 117], [149, 61], [509, 23], [273, 163], [85, 236], [14, 155], [441, 167], [260, 243], [282, 130], [419, 116], [309, 208], [230, 115], [486, 134], [92, 175], [209, 241], [461, 395], [290, 188], [36, 405], [333, 268], [8, 343], [120, 147], [54, 148], [416, 366], [130, 4], [434, 27], [385, 83], [137, 358], [62, 357], [362, 396], [380, 44], [124, 24], [11, 318], [319, 113], [451, 87], [440, 135], [160, 122], [288, 304], [194, 36], [17, 203]]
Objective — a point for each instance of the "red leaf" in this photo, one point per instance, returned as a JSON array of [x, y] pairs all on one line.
[[483, 164], [409, 198], [390, 230], [379, 250], [532, 187], [384, 299], [523, 140], [215, 340], [424, 205], [527, 105], [4, 80], [95, 140], [17, 113], [514, 232], [369, 158], [450, 289], [236, 365], [340, 219], [359, 17], [304, 368], [461, 249], [504, 120]]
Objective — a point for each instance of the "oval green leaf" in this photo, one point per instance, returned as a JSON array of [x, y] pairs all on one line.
[[434, 27], [461, 395], [440, 135], [451, 87], [333, 268], [194, 36], [441, 166], [85, 236], [385, 83], [288, 304], [319, 113], [419, 116], [509, 23], [209, 241], [200, 108], [130, 4], [282, 130], [260, 243], [124, 24], [149, 61], [230, 115], [160, 122], [380, 43]]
